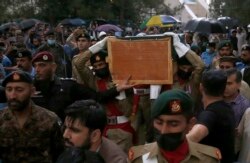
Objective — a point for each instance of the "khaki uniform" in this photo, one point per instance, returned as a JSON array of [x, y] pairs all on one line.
[[83, 74], [150, 153], [40, 139], [192, 86]]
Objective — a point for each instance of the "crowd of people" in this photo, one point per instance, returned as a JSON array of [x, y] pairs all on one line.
[[59, 103]]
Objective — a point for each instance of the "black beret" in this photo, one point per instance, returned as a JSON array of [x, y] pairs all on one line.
[[172, 102], [83, 35], [23, 53], [100, 56], [17, 76], [44, 56]]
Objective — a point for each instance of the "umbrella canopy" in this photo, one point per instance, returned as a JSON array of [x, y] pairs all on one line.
[[228, 22], [5, 27], [108, 28], [29, 23], [162, 21], [73, 22], [205, 25]]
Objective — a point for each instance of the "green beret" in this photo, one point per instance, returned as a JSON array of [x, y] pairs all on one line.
[[224, 43], [172, 102], [17, 76], [245, 47]]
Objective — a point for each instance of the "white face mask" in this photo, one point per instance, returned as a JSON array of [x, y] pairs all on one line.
[[51, 42]]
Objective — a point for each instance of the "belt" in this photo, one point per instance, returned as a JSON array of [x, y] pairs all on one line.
[[114, 120], [141, 91]]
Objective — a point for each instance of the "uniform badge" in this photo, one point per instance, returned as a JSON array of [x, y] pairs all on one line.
[[20, 55], [45, 57], [175, 106], [130, 154], [218, 154], [16, 76], [97, 58]]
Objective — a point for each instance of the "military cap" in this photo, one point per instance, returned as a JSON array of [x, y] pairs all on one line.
[[100, 56], [43, 56], [245, 47], [224, 43], [172, 102], [50, 32], [183, 61], [231, 59], [24, 53], [17, 76], [83, 35]]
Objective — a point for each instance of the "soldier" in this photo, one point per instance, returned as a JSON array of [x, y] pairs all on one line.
[[29, 133], [172, 118], [57, 93], [84, 124], [23, 61]]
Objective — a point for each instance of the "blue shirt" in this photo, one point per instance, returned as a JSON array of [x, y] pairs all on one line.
[[239, 106], [207, 58]]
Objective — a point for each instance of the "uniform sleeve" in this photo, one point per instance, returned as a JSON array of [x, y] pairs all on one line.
[[57, 145], [207, 118], [81, 92]]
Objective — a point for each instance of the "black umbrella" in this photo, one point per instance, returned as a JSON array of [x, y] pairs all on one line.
[[5, 27], [228, 22], [29, 23], [73, 22], [205, 25]]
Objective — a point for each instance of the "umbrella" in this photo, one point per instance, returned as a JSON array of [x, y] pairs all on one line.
[[108, 28], [204, 25], [29, 23], [228, 22], [73, 22], [162, 21], [6, 26]]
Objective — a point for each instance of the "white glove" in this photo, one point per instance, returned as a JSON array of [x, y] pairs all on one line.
[[100, 45], [180, 48], [154, 91]]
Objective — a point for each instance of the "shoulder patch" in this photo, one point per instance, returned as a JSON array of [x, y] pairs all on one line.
[[209, 150], [137, 151]]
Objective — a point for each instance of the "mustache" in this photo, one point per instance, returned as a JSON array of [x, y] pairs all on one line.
[[67, 141]]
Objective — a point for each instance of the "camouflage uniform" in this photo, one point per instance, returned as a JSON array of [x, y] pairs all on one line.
[[40, 139]]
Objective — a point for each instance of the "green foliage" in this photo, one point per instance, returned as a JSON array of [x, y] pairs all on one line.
[[53, 11]]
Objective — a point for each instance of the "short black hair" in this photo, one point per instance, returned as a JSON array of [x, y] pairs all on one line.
[[214, 82], [233, 71], [90, 114]]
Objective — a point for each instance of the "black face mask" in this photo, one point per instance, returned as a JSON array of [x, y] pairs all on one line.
[[184, 75], [170, 141], [103, 72]]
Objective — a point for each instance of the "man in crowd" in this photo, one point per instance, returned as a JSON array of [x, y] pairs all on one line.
[[216, 124], [29, 133], [232, 95], [209, 54], [84, 124], [172, 118], [23, 61]]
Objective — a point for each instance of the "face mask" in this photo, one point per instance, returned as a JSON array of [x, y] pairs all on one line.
[[170, 141], [183, 75], [51, 42], [208, 50], [102, 73]]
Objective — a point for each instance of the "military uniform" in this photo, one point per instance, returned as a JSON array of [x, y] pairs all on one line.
[[150, 153], [118, 109], [40, 139]]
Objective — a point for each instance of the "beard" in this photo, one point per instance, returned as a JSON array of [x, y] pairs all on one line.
[[17, 105], [85, 146]]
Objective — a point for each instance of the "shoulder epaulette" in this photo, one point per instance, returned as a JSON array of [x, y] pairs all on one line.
[[209, 150], [137, 151]]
